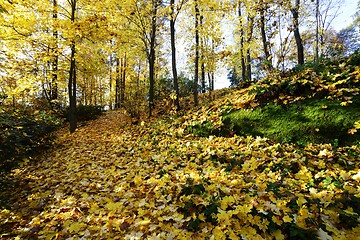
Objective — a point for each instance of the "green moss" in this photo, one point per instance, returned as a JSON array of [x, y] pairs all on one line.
[[309, 121], [202, 130]]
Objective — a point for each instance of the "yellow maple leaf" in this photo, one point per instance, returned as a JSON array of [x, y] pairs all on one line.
[[232, 235], [303, 174], [218, 233], [287, 219], [276, 219], [223, 216], [301, 201], [138, 180], [76, 227], [278, 235], [352, 131], [226, 201], [243, 210], [113, 206], [202, 217]]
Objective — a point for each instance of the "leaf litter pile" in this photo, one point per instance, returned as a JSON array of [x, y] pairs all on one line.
[[156, 180]]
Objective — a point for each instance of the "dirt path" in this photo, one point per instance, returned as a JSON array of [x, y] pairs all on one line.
[[50, 183]]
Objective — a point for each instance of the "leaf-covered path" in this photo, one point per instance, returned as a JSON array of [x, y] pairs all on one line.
[[115, 180]]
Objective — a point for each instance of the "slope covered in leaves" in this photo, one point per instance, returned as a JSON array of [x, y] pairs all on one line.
[[334, 81]]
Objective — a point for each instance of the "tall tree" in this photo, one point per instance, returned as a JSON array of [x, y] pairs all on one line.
[[202, 58], [152, 53], [325, 13], [117, 83], [295, 10], [284, 36], [121, 67], [357, 15], [173, 16], [123, 80], [263, 8], [55, 60], [145, 19], [110, 81], [209, 20], [249, 38], [317, 15], [242, 34], [72, 74], [197, 46], [349, 40]]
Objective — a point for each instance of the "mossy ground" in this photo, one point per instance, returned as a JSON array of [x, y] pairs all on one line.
[[303, 122]]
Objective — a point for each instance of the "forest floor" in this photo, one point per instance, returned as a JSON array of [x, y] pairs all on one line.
[[180, 177], [115, 180]]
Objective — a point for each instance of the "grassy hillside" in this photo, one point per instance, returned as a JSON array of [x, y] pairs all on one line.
[[317, 104]]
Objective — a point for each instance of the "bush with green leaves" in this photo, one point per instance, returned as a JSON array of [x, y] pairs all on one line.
[[85, 112], [22, 132]]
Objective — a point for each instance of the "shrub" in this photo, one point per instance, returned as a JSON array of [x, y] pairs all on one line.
[[22, 132], [85, 112], [355, 58]]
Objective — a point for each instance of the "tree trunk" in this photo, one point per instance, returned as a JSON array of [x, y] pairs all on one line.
[[151, 57], [211, 77], [299, 44], [123, 79], [317, 32], [282, 55], [72, 89], [248, 65], [55, 61], [110, 81], [83, 93], [211, 74], [243, 65], [173, 55], [248, 57], [196, 76], [117, 84], [242, 55], [267, 61], [203, 73], [203, 86], [72, 77]]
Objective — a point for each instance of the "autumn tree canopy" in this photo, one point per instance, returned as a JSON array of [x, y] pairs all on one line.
[[117, 54]]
